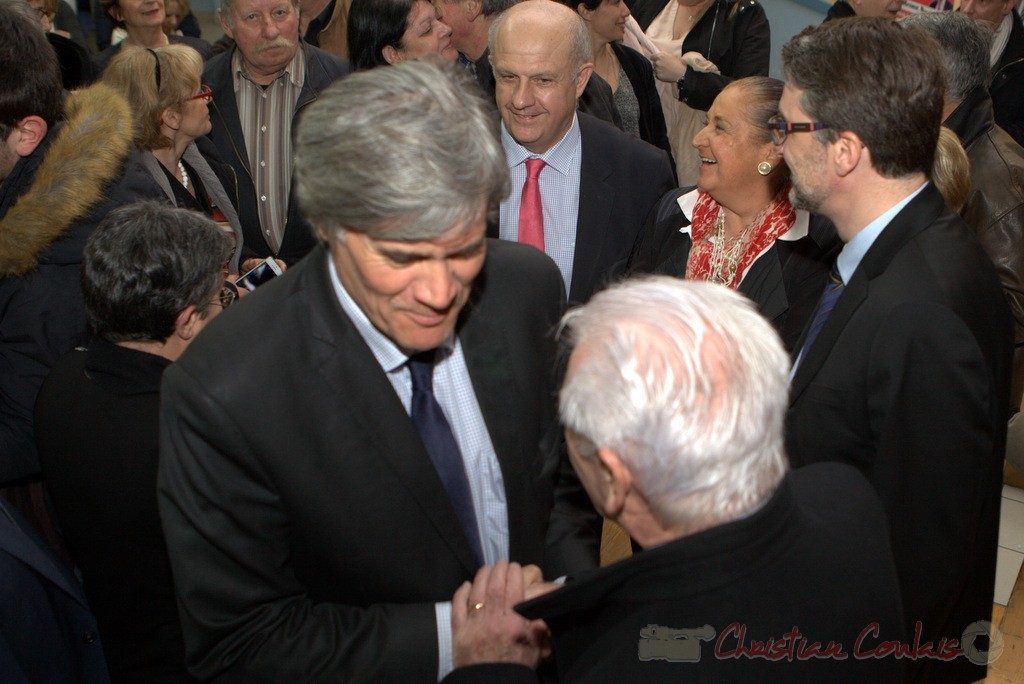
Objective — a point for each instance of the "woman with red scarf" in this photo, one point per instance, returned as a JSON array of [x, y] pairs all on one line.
[[738, 227]]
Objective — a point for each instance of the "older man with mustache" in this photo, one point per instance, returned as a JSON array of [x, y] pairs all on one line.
[[259, 88]]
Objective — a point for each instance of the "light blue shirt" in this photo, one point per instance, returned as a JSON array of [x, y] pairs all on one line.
[[853, 251], [559, 195], [453, 389]]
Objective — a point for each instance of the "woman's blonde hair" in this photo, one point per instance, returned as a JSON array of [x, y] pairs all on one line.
[[951, 170], [135, 71]]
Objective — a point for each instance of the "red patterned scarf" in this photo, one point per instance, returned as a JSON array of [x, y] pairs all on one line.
[[776, 219]]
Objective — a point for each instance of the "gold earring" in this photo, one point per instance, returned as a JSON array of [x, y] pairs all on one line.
[[764, 168]]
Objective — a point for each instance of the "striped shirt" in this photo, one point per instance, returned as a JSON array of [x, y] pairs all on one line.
[[266, 116]]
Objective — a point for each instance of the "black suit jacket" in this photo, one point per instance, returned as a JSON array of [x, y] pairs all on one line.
[[799, 562], [621, 178], [785, 282], [309, 532], [322, 69], [908, 380], [47, 633]]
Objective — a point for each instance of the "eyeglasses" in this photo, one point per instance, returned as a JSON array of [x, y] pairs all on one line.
[[227, 295], [205, 93], [44, 14], [780, 128]]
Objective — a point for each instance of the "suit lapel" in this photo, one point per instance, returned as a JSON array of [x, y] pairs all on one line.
[[23, 545], [597, 197], [920, 213], [346, 363], [485, 347], [763, 283], [225, 108]]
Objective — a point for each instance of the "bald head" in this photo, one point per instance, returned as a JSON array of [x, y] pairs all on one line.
[[549, 25], [540, 53]]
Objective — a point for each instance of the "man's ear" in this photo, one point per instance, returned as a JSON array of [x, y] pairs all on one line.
[[185, 323], [27, 134], [581, 79], [224, 25], [847, 152], [618, 481], [473, 8]]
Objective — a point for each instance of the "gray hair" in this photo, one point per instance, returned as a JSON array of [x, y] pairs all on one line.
[[581, 50], [226, 7], [403, 153], [965, 49], [147, 262], [687, 383]]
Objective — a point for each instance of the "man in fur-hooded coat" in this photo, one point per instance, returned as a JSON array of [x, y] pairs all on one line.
[[50, 201]]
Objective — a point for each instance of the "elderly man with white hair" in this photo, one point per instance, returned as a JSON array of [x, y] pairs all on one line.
[[673, 405]]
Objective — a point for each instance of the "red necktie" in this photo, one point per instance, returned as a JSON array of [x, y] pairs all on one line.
[[531, 213]]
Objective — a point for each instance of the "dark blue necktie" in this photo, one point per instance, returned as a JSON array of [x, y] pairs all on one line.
[[440, 443], [833, 288]]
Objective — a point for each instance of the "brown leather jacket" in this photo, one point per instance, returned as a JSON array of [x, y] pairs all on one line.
[[995, 207]]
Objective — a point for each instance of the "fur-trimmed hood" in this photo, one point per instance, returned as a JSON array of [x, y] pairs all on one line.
[[87, 152]]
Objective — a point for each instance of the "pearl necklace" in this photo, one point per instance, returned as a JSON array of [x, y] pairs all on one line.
[[725, 255], [184, 174]]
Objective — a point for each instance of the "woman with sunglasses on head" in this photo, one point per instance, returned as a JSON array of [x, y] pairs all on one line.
[[171, 111], [737, 227]]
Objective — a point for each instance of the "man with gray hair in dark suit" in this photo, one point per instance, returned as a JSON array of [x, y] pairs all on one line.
[[395, 427]]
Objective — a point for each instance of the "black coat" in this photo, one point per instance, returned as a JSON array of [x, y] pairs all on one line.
[[98, 435], [45, 213], [734, 34], [815, 558]]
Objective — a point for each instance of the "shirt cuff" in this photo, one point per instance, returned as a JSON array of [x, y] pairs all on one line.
[[443, 615]]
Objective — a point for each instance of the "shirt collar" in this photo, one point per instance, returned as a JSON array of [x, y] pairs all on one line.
[[799, 230], [387, 353], [559, 157], [295, 70], [853, 251]]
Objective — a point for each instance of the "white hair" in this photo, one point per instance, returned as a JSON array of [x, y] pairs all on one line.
[[688, 384]]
